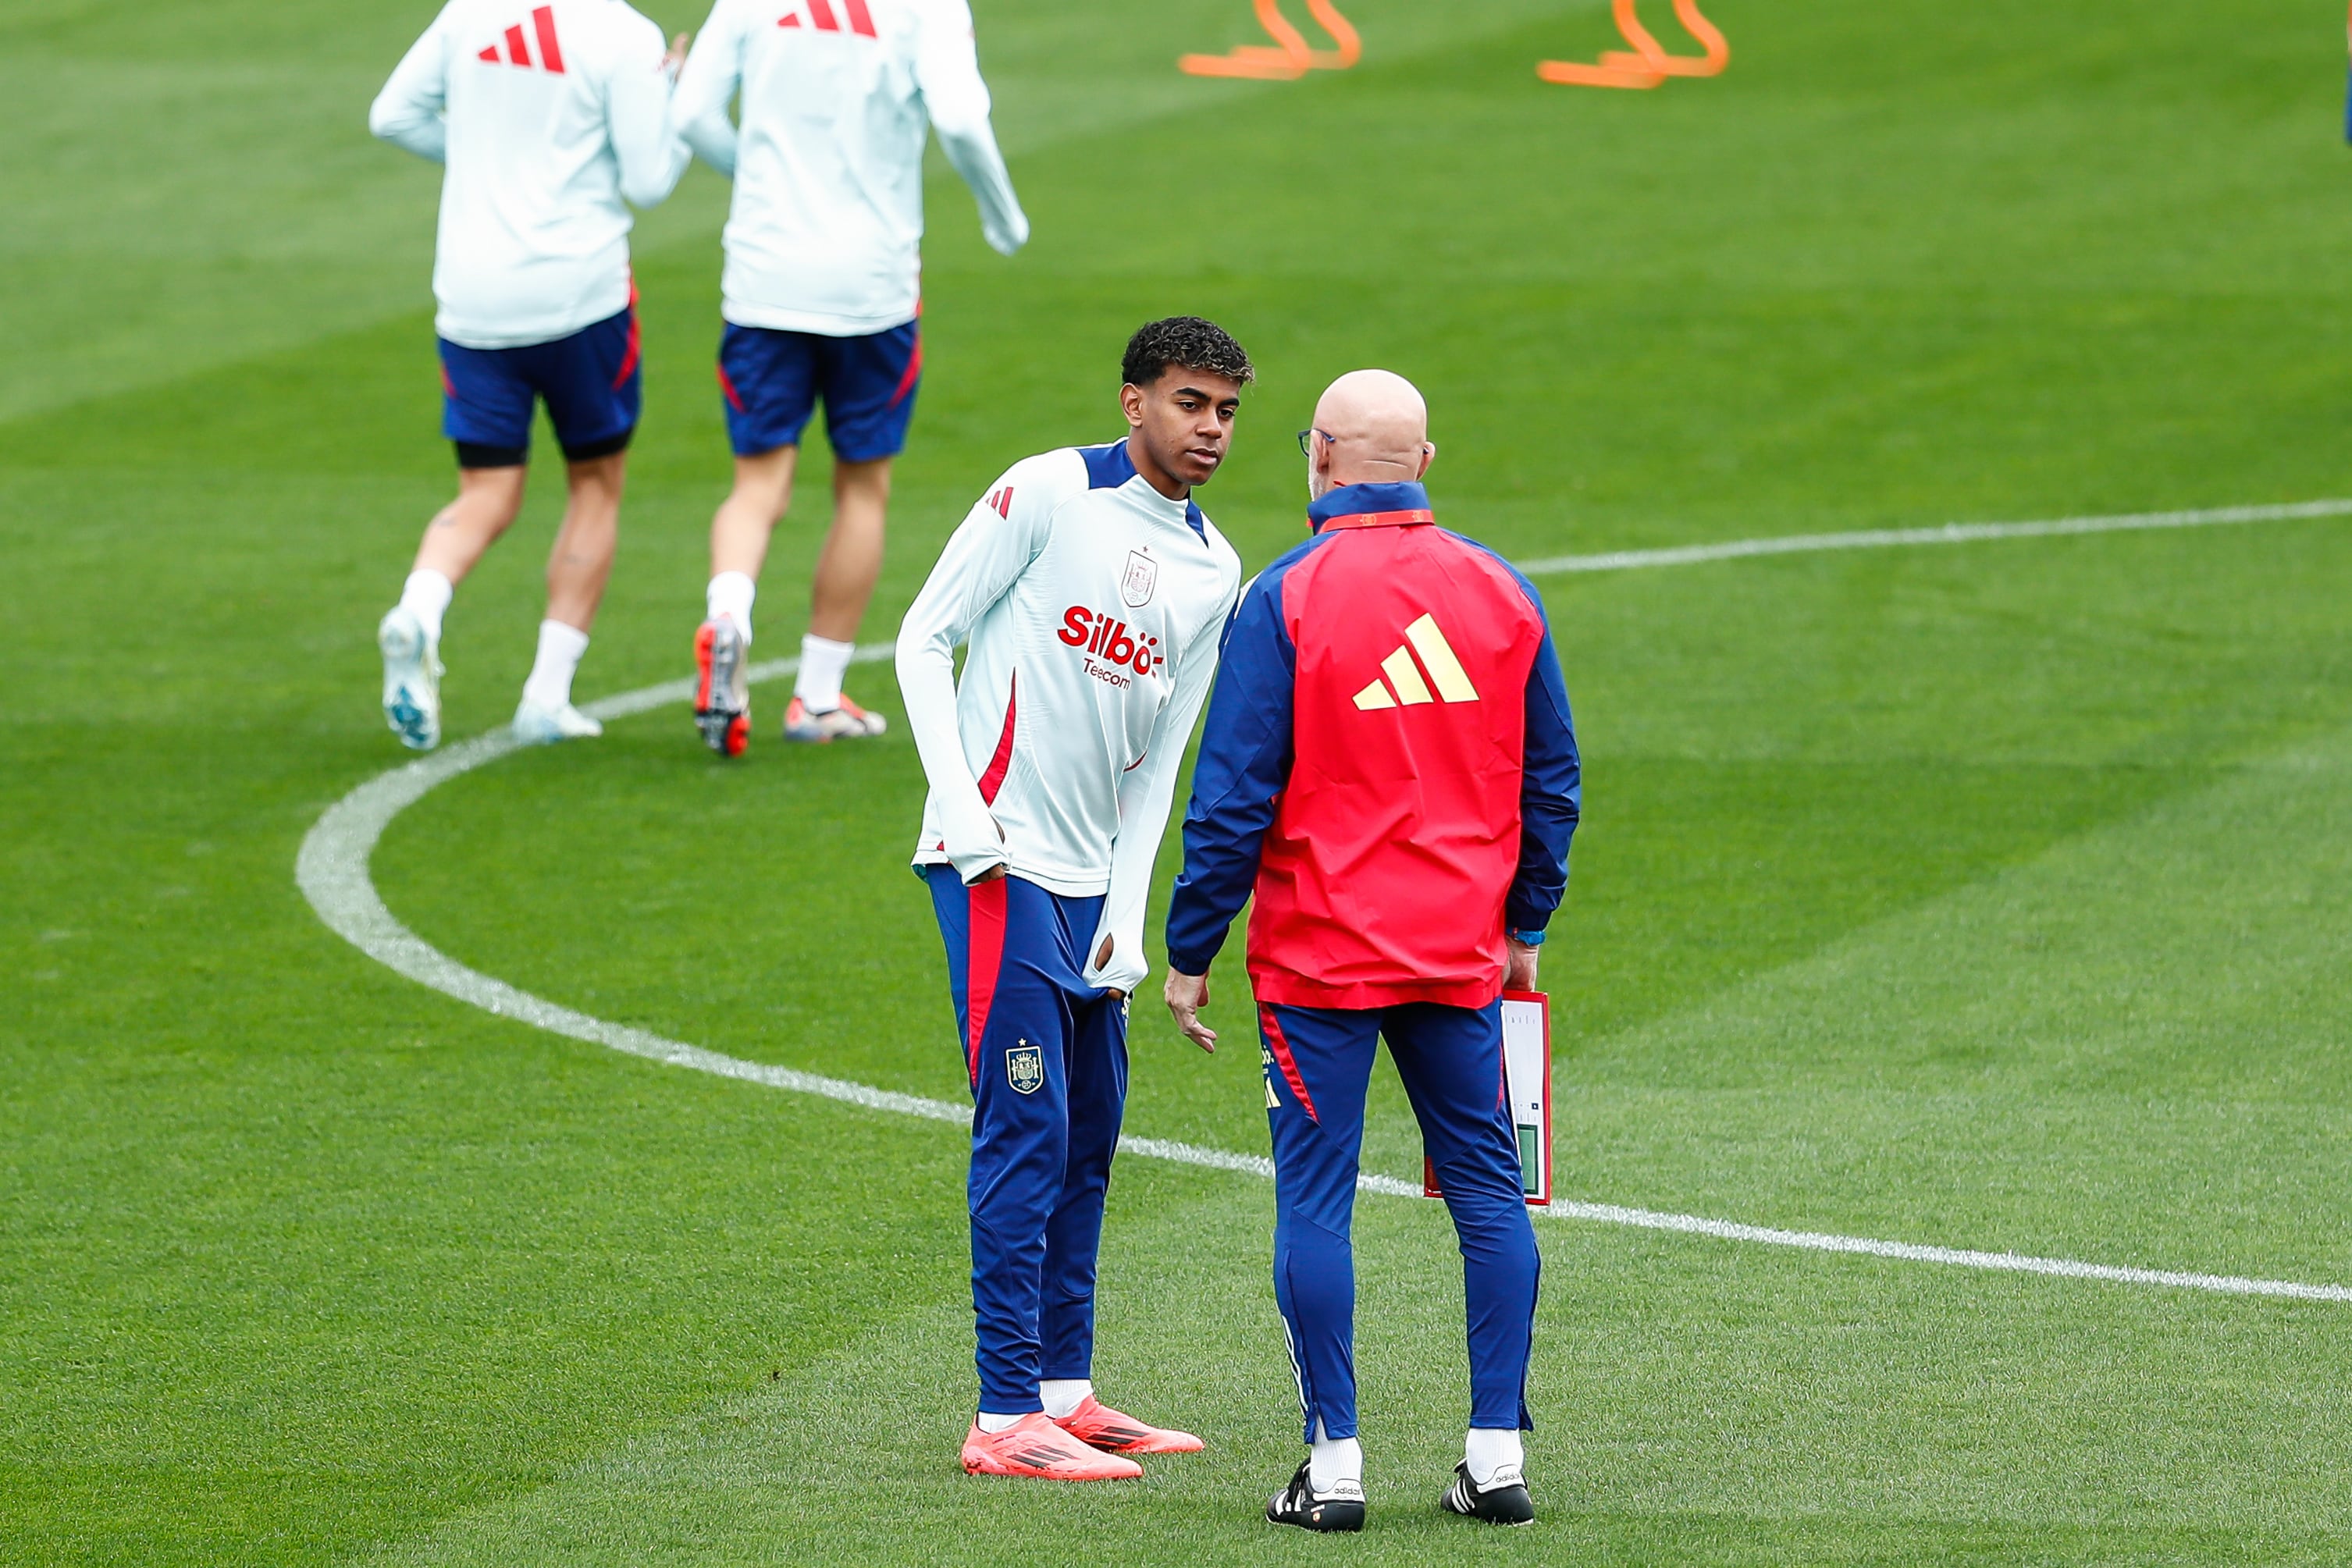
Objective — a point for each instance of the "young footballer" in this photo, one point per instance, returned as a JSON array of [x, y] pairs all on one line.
[[552, 117], [822, 296], [1092, 595]]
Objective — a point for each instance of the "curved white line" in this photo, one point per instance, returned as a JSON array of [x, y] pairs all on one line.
[[333, 872]]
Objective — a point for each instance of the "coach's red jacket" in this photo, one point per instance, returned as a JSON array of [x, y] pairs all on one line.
[[1389, 763]]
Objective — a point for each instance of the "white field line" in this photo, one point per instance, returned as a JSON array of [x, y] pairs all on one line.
[[1949, 534], [333, 872]]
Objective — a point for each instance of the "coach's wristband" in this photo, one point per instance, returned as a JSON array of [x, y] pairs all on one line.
[[1528, 938]]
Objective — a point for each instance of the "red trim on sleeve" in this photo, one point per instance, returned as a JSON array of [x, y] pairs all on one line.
[[1001, 763], [984, 961], [1276, 1042], [551, 53]]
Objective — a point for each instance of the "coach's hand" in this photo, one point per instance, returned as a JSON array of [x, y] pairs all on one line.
[[1519, 974], [1187, 995]]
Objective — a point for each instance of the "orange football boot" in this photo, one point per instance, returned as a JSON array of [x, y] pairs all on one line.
[[1099, 1425], [1036, 1448]]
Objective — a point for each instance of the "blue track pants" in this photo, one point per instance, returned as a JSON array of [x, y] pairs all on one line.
[[1046, 1055], [1318, 1064]]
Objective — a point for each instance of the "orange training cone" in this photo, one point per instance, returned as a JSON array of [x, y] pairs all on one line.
[[1648, 64], [1290, 57]]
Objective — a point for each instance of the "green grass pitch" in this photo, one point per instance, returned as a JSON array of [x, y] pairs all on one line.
[[1994, 896]]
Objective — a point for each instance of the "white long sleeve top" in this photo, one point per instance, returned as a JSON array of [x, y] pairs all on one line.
[[552, 117], [826, 231], [1094, 609]]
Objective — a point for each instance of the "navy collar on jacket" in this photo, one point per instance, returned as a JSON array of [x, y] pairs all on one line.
[[1393, 504]]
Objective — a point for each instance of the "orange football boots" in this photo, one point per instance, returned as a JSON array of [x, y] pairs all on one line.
[[1035, 1447], [1099, 1425]]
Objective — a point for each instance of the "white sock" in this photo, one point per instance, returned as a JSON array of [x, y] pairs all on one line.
[[823, 663], [426, 596], [731, 593], [560, 648], [1330, 1460], [1062, 1396], [992, 1423], [1491, 1451]]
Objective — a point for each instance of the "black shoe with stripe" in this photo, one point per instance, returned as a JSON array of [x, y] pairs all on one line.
[[1503, 1501], [1341, 1507]]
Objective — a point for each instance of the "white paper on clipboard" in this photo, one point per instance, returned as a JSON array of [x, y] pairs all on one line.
[[1526, 1075]]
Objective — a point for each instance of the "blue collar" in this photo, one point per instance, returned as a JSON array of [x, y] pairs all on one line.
[[1109, 468], [1398, 503]]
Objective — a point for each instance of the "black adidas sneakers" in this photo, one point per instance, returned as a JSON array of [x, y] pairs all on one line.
[[1341, 1507], [1503, 1501]]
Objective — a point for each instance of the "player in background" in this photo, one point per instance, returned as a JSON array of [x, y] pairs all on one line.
[[1093, 595], [552, 117], [822, 297], [1390, 767]]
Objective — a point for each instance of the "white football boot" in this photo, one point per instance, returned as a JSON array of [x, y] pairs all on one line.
[[538, 726], [847, 722], [411, 680]]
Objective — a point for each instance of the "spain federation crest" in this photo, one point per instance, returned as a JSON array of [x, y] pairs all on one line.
[[1025, 1069], [1135, 589]]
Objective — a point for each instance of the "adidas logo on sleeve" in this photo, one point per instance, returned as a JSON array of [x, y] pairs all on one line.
[[1404, 683], [518, 48]]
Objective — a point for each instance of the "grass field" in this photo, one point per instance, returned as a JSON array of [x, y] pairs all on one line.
[[1996, 896]]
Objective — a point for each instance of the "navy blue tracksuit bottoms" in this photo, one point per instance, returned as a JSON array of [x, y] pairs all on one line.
[[1046, 1056], [1318, 1064]]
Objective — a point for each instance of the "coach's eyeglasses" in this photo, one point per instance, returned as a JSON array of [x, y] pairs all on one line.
[[1306, 440]]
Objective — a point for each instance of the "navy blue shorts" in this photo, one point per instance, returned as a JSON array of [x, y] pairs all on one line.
[[773, 381], [593, 383]]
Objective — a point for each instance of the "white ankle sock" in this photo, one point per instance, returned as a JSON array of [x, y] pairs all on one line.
[[989, 1423], [1490, 1451], [731, 593], [1062, 1396], [426, 596], [824, 663], [1330, 1460], [560, 648]]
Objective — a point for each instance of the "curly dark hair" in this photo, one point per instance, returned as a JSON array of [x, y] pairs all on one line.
[[1188, 341]]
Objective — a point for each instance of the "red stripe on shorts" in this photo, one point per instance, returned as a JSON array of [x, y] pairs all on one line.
[[914, 372]]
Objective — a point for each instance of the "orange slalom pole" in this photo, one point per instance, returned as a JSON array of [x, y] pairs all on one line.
[[1290, 56]]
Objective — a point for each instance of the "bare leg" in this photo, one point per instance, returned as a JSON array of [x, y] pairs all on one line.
[[851, 562], [488, 500], [581, 562], [746, 519]]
